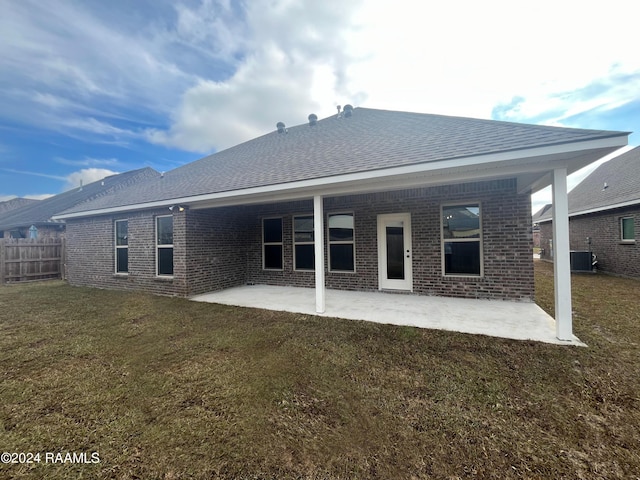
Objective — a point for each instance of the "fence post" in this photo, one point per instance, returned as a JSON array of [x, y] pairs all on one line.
[[63, 258], [2, 266]]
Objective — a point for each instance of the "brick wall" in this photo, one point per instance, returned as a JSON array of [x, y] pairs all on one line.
[[603, 228], [220, 248], [507, 240], [216, 253], [90, 253]]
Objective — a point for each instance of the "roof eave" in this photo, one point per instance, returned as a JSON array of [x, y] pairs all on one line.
[[537, 161]]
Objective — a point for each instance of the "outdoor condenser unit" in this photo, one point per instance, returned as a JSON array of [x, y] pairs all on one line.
[[580, 261]]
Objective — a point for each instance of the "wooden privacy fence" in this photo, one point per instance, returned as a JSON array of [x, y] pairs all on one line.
[[23, 259]]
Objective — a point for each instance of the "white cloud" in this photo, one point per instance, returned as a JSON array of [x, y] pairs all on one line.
[[461, 58], [39, 196], [34, 174], [4, 198], [89, 162], [297, 64], [86, 176]]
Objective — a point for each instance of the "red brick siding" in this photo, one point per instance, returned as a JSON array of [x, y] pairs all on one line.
[[603, 228]]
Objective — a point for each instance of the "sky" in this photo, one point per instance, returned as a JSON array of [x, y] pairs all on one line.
[[89, 88]]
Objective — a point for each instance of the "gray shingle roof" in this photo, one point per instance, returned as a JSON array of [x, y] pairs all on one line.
[[14, 204], [622, 176], [369, 140], [41, 212], [541, 213]]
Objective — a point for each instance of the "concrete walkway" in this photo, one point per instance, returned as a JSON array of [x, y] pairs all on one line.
[[515, 320]]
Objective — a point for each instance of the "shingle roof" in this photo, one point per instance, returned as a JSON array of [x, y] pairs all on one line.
[[14, 204], [42, 211], [541, 213], [368, 140], [622, 177]]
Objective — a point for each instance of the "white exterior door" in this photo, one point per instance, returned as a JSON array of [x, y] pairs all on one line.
[[394, 252]]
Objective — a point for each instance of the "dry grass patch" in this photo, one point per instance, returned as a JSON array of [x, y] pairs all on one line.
[[167, 388]]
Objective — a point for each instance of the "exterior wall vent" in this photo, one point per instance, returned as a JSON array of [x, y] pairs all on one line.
[[313, 119]]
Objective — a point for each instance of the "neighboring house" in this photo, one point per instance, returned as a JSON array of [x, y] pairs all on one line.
[[604, 216], [363, 200], [14, 203], [18, 223], [536, 226]]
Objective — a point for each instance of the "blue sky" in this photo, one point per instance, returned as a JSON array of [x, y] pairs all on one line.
[[89, 88]]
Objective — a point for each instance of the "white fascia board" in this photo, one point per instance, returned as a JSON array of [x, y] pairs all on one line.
[[341, 183], [630, 203], [608, 207]]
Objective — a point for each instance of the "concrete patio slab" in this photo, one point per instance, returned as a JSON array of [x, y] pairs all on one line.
[[515, 320]]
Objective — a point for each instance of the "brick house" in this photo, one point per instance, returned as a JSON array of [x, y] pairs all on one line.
[[363, 200], [604, 216], [17, 222]]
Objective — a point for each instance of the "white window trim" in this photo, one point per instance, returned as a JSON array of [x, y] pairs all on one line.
[[293, 241], [621, 222], [281, 243], [341, 242], [118, 247], [158, 246], [461, 240]]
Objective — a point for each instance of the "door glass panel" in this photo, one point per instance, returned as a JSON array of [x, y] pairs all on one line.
[[395, 252]]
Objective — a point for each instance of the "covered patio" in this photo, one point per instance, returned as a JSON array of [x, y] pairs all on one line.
[[504, 319]]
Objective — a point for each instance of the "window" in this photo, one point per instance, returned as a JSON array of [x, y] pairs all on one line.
[[272, 243], [341, 242], [164, 242], [461, 240], [122, 246], [627, 229], [303, 247]]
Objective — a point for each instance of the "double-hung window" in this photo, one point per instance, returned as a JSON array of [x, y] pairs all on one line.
[[272, 243], [462, 240], [164, 245], [122, 246], [303, 249], [341, 242], [627, 230]]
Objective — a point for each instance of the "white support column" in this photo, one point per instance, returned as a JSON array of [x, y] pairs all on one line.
[[318, 245], [561, 260]]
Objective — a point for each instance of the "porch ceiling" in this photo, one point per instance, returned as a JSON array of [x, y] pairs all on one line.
[[514, 320]]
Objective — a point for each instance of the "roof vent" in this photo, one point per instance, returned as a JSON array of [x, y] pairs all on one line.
[[313, 119], [605, 186], [281, 127], [348, 110]]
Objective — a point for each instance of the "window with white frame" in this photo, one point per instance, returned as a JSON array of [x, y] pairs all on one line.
[[303, 243], [164, 245], [272, 243], [627, 229], [122, 246], [462, 240], [341, 242]]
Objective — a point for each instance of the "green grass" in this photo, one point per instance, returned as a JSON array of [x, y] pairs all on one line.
[[166, 388]]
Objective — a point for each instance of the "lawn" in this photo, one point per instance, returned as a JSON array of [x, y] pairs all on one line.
[[167, 388]]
